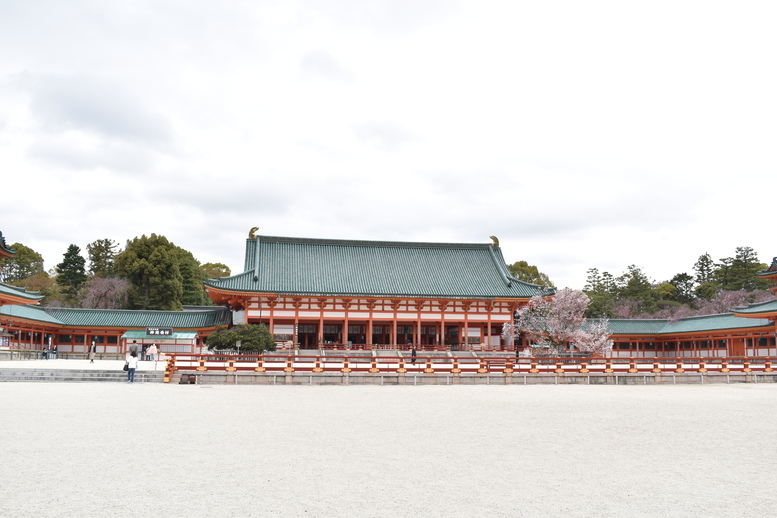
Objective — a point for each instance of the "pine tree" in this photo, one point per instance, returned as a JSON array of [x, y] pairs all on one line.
[[71, 273], [102, 254]]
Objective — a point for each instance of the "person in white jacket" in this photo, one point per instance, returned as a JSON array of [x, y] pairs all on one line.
[[132, 364], [151, 353]]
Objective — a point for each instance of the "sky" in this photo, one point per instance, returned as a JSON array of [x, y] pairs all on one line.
[[594, 134]]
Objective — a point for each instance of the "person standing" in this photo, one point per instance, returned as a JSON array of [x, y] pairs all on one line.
[[151, 353], [132, 364], [92, 351], [413, 354]]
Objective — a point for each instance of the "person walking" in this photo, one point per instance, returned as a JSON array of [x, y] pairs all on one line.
[[132, 364], [92, 351], [413, 354]]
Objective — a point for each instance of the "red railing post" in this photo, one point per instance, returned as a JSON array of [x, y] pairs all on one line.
[[169, 368]]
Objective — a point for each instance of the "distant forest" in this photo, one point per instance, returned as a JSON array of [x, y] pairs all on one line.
[[713, 287]]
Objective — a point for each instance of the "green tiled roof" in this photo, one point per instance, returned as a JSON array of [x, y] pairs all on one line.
[[375, 268], [138, 318], [772, 268], [636, 326], [15, 291], [121, 318], [762, 307], [719, 322], [33, 313], [134, 334]]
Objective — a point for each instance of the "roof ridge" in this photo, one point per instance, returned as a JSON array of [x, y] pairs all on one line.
[[47, 309], [20, 289], [365, 242], [756, 304]]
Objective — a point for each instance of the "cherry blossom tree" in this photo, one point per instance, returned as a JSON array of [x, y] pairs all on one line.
[[553, 323], [110, 293], [594, 338]]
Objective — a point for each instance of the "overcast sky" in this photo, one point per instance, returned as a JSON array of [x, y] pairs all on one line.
[[581, 134]]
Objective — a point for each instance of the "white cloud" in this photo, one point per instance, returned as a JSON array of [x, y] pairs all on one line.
[[596, 134]]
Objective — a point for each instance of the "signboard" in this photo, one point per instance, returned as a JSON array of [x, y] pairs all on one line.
[[159, 331]]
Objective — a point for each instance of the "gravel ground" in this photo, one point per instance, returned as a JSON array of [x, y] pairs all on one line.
[[115, 449]]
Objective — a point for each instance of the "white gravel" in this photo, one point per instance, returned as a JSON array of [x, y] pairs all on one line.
[[115, 449]]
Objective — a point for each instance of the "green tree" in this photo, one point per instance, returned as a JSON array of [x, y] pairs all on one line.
[[150, 264], [684, 286], [744, 270], [45, 284], [603, 291], [704, 268], [102, 254], [192, 277], [526, 272], [634, 285], [706, 284], [253, 338], [71, 273], [25, 263], [216, 270]]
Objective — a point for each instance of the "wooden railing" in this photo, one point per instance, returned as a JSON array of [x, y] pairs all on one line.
[[383, 347], [280, 363]]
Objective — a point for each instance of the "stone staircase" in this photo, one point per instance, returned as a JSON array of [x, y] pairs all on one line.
[[76, 375]]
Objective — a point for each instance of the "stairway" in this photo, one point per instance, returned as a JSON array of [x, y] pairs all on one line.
[[76, 375]]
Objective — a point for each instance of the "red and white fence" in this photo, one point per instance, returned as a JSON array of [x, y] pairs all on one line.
[[275, 363]]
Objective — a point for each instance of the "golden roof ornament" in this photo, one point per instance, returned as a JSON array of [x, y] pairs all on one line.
[[252, 233], [495, 240]]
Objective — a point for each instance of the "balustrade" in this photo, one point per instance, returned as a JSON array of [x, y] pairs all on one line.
[[401, 364]]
